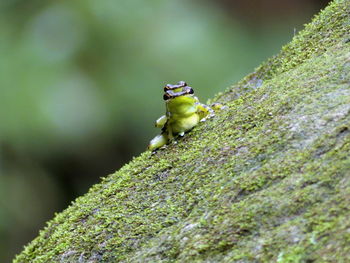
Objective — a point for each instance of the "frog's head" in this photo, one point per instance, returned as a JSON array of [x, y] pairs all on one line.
[[175, 91], [179, 98], [175, 88], [185, 92]]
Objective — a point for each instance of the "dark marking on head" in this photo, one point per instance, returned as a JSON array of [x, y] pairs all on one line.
[[179, 85], [171, 94]]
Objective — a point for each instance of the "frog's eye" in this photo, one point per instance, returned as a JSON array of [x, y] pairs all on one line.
[[166, 96], [188, 90], [167, 87]]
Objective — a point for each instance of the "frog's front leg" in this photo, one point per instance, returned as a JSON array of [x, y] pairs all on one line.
[[162, 138], [160, 122]]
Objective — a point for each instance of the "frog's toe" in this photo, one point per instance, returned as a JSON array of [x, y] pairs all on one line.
[[218, 106]]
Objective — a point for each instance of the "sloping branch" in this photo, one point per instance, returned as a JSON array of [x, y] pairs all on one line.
[[267, 179]]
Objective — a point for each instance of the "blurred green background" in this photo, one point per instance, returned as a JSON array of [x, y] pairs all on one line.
[[81, 86]]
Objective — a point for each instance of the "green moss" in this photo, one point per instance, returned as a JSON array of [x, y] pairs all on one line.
[[265, 180]]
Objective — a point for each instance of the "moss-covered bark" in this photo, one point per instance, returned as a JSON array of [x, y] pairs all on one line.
[[267, 180]]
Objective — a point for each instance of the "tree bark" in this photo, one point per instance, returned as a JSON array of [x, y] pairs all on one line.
[[265, 180]]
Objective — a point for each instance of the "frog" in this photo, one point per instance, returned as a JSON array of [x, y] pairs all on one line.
[[183, 113]]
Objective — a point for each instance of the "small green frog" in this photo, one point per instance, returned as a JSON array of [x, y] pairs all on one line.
[[183, 112]]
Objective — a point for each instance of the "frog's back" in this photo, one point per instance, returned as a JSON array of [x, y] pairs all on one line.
[[185, 124], [181, 107]]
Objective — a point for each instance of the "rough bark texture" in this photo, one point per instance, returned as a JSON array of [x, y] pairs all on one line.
[[266, 180]]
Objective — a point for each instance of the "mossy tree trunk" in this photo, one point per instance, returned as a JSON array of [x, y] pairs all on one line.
[[266, 180]]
